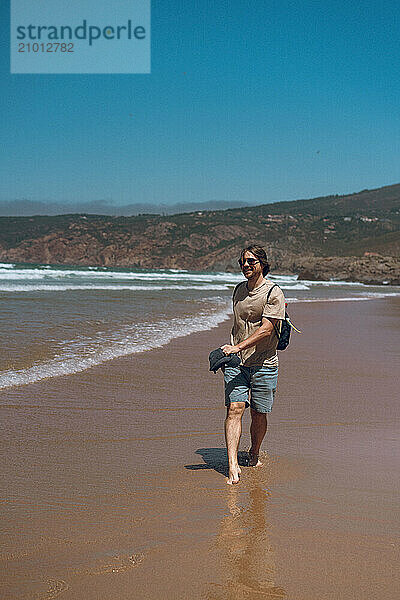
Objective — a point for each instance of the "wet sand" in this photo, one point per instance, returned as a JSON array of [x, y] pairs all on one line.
[[114, 478]]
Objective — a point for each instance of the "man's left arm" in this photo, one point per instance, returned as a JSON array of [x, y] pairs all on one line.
[[266, 329]]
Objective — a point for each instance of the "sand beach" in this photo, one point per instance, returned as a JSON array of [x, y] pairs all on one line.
[[114, 478]]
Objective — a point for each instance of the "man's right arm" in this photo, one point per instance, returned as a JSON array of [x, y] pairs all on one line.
[[266, 329]]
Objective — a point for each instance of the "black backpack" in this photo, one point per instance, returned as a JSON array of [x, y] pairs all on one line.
[[284, 334]]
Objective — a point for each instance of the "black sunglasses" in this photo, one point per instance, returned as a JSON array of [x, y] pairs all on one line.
[[249, 261]]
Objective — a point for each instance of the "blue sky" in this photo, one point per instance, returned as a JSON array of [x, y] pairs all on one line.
[[254, 101]]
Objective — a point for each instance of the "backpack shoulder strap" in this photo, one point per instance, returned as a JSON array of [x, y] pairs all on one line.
[[270, 290], [277, 332], [235, 290]]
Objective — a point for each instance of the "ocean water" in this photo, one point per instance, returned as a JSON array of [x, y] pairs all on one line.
[[60, 320]]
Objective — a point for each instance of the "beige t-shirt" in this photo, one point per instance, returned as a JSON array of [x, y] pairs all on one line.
[[248, 310]]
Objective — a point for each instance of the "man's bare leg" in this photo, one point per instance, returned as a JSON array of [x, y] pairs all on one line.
[[233, 431], [258, 429]]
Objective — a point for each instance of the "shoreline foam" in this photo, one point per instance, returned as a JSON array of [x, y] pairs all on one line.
[[96, 354]]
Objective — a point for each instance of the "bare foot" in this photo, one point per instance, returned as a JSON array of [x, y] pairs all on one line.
[[254, 460], [234, 477]]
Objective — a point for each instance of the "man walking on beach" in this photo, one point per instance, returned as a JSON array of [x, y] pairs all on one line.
[[257, 312]]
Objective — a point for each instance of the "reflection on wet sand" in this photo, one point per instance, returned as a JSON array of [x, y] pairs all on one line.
[[246, 554]]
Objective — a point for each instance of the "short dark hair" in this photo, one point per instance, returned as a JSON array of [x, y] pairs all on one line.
[[259, 253]]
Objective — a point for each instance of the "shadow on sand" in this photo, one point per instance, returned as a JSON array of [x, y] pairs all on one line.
[[216, 458]]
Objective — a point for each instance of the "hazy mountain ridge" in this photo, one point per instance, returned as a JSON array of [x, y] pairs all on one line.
[[29, 208], [335, 236]]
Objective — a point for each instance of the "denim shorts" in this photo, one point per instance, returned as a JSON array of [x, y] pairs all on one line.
[[261, 382]]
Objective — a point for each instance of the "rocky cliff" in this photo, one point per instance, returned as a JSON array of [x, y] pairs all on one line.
[[355, 238]]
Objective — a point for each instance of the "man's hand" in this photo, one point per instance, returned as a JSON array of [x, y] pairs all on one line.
[[228, 349]]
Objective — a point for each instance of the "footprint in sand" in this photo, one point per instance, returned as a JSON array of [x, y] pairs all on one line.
[[116, 564], [55, 588]]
